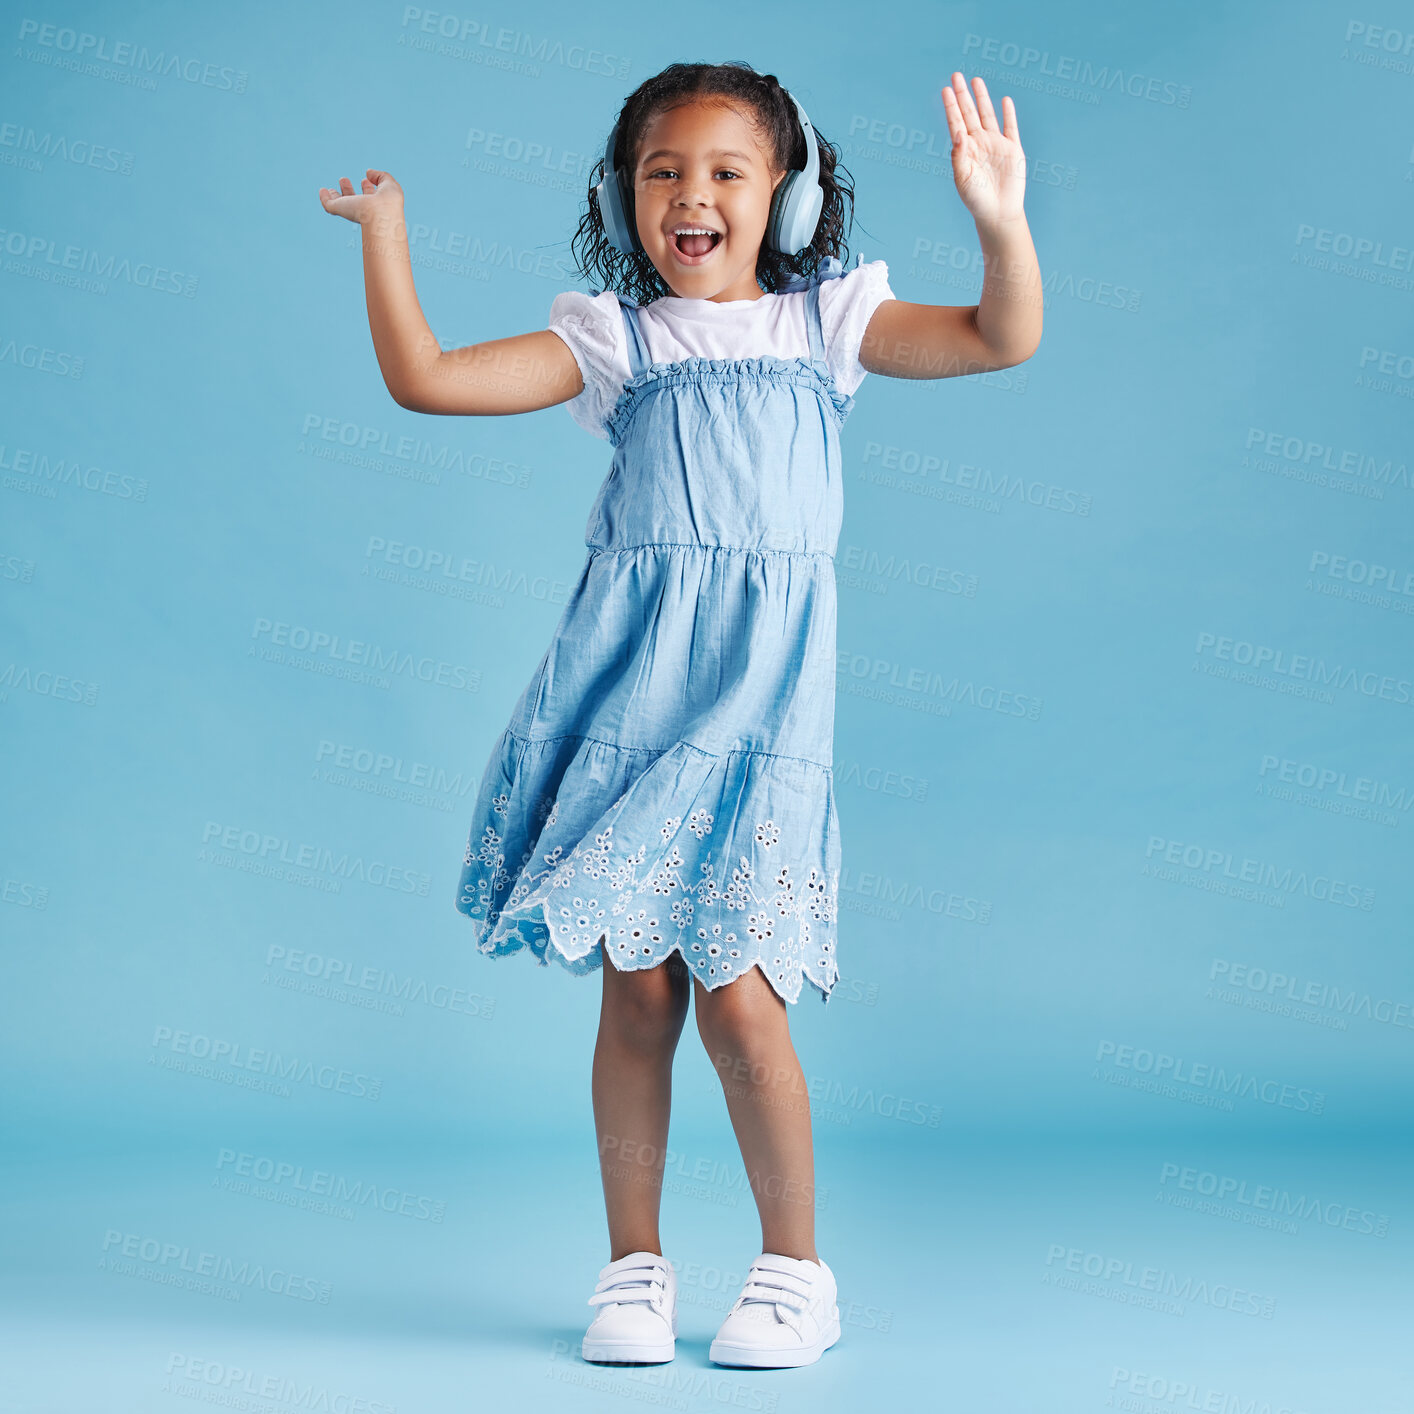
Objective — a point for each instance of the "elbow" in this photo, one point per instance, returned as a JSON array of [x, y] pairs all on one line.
[[1005, 353], [1030, 351], [412, 386], [1014, 354], [405, 397]]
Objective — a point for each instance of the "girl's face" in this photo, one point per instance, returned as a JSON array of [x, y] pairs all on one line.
[[702, 167]]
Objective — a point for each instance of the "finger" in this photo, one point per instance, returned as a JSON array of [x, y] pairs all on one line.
[[984, 105], [965, 103], [345, 186], [957, 130], [1009, 124]]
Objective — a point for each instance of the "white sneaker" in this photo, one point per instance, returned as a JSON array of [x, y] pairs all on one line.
[[639, 1320], [786, 1315]]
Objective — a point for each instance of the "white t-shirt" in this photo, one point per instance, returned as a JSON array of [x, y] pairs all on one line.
[[674, 328]]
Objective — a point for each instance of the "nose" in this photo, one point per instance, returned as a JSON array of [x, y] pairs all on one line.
[[688, 192]]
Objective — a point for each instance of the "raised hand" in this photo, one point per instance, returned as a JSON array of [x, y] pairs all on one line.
[[988, 164], [380, 194]]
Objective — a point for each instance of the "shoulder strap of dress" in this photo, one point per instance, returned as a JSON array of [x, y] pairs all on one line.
[[830, 268], [638, 359], [812, 318], [812, 323]]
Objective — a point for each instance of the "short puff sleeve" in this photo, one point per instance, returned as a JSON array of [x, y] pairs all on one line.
[[593, 327], [847, 303]]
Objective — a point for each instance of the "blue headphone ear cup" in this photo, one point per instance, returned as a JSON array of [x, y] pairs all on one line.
[[628, 221], [618, 228], [614, 195], [775, 219], [795, 213], [798, 200], [810, 216]]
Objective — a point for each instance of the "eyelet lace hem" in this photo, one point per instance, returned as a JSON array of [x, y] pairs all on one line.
[[646, 876]]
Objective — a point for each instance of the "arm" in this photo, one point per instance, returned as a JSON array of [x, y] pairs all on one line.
[[907, 340], [517, 374]]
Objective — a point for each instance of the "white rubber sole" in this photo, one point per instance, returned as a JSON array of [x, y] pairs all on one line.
[[760, 1358]]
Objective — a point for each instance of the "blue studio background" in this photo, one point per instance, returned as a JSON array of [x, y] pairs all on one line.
[[1112, 1103]]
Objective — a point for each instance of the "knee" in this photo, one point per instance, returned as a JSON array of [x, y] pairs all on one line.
[[645, 1011], [736, 1030]]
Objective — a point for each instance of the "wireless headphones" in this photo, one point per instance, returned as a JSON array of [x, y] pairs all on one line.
[[795, 204]]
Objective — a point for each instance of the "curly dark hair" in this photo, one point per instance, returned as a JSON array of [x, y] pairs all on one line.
[[762, 96]]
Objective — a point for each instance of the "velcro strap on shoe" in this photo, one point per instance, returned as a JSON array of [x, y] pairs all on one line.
[[783, 1281], [769, 1291], [642, 1283]]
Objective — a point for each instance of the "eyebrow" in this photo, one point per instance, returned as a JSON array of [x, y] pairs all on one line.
[[717, 152]]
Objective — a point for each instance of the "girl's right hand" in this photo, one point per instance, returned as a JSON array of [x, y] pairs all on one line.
[[380, 194]]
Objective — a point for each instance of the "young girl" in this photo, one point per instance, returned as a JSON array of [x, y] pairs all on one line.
[[662, 797]]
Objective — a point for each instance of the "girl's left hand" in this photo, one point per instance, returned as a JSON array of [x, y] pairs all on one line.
[[988, 164]]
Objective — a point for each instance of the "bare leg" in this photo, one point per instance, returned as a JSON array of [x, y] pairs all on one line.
[[641, 1016], [745, 1029]]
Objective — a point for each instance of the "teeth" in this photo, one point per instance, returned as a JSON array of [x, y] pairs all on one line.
[[695, 231]]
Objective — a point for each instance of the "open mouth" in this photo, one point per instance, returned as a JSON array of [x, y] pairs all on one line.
[[692, 248]]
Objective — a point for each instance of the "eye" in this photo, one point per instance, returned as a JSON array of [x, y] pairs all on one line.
[[671, 172]]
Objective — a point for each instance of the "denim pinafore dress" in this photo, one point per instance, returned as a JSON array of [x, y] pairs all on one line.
[[665, 783]]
